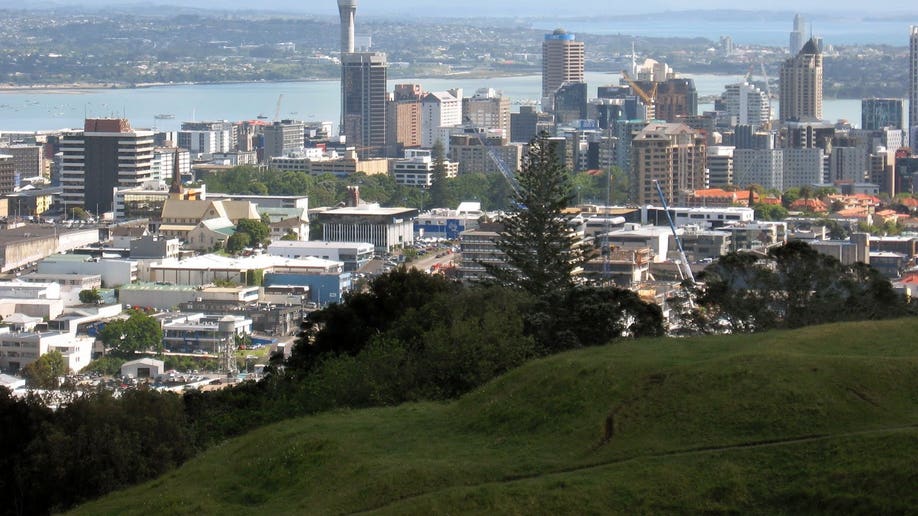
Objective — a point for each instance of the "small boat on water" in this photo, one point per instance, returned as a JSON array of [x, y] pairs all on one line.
[[164, 117]]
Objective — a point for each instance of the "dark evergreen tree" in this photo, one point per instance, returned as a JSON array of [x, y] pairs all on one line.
[[541, 250], [439, 187]]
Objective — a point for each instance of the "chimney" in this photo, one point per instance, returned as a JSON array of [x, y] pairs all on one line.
[[353, 196]]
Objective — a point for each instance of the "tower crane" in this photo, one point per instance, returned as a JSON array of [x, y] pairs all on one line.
[[508, 174], [648, 98], [280, 99], [685, 270]]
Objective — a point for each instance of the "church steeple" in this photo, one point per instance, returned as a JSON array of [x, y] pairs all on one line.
[[175, 189]]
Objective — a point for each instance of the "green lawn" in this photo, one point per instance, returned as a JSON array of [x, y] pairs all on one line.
[[823, 419]]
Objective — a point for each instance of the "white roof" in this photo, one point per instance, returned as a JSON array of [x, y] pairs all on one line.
[[261, 261]]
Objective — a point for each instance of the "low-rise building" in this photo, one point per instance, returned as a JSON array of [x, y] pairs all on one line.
[[479, 247], [201, 270], [354, 255], [143, 368], [114, 272], [200, 333], [20, 348], [386, 228], [70, 284]]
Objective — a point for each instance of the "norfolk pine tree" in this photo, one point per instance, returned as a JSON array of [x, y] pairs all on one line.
[[541, 250], [439, 190]]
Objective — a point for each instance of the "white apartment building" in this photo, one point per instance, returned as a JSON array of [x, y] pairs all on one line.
[[759, 166], [747, 104], [439, 109], [802, 167], [416, 168]]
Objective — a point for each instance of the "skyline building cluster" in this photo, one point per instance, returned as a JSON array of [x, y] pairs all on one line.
[[629, 125]]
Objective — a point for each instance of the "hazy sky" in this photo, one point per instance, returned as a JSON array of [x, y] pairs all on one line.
[[557, 8]]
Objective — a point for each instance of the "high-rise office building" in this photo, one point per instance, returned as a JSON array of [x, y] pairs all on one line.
[[403, 119], [363, 90], [569, 102], [746, 104], [877, 114], [797, 36], [528, 123], [363, 102], [562, 61], [283, 137], [106, 154], [801, 85], [913, 83]]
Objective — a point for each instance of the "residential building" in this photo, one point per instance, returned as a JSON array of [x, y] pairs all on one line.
[[720, 165], [363, 102], [348, 165], [487, 108], [466, 150], [439, 109], [802, 167], [671, 155], [162, 168], [226, 132], [801, 85], [848, 164], [562, 61], [763, 167], [105, 155], [746, 104]]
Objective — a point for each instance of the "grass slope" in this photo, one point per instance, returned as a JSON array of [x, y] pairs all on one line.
[[823, 419]]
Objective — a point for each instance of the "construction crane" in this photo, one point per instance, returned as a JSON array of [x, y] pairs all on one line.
[[649, 98], [685, 270], [280, 99], [508, 174]]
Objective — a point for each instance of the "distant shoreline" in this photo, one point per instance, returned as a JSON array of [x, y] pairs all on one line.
[[77, 87]]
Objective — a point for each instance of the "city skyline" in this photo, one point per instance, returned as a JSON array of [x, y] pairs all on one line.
[[473, 8]]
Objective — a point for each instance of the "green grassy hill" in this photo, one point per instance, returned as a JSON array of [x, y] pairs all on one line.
[[823, 419]]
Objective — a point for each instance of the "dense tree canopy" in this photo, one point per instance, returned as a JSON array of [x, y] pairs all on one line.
[[139, 332], [792, 286], [45, 372]]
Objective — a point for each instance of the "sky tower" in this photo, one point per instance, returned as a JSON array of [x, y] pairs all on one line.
[[347, 9]]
